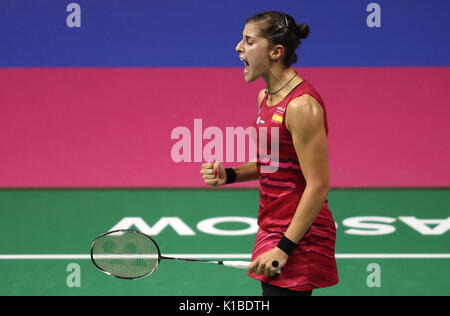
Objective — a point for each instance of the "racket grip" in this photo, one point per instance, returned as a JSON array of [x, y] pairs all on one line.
[[239, 264]]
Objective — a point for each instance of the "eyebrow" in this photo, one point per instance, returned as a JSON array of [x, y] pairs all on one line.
[[249, 37]]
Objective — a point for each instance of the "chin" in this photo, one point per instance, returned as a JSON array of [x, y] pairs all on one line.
[[249, 78]]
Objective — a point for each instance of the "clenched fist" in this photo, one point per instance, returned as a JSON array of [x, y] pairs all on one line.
[[213, 174]]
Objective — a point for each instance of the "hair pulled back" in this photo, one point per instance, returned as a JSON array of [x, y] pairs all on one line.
[[281, 29]]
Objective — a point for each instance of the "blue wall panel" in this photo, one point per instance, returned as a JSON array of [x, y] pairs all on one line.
[[147, 33]]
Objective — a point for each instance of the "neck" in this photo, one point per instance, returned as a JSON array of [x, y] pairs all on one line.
[[277, 78]]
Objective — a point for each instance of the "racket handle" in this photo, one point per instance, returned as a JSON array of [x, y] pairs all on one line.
[[239, 264]]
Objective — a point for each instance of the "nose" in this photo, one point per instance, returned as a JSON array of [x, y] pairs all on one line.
[[239, 47]]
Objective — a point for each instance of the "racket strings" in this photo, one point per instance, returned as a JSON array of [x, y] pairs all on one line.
[[125, 254]]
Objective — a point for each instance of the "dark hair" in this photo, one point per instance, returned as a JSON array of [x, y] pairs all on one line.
[[281, 29]]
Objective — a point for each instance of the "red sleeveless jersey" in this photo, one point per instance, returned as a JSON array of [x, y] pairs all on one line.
[[313, 264]]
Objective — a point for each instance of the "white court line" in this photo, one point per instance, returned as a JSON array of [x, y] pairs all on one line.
[[228, 256]]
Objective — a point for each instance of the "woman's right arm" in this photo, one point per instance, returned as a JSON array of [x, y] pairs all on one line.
[[214, 173], [246, 172]]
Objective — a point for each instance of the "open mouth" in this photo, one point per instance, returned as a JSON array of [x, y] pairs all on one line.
[[246, 65]]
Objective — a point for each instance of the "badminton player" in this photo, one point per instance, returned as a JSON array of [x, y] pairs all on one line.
[[296, 229]]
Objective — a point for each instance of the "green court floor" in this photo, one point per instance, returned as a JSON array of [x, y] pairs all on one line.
[[46, 235]]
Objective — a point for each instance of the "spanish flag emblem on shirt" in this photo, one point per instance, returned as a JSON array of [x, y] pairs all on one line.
[[277, 118]]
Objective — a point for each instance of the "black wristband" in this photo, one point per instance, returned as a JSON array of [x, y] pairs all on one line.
[[287, 245], [231, 175]]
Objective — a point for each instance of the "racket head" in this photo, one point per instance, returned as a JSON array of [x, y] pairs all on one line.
[[125, 254]]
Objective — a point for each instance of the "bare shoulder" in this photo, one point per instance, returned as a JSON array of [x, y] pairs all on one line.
[[304, 112], [261, 95]]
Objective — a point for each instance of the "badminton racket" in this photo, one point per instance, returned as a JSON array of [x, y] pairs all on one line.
[[130, 254]]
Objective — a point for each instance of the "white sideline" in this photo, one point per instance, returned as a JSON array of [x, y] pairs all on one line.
[[228, 256]]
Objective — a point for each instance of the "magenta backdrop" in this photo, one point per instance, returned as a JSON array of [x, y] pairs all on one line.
[[111, 127]]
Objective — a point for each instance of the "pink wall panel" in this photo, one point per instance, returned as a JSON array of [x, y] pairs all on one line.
[[102, 127]]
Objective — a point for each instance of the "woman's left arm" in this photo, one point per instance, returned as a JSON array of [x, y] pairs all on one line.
[[305, 121]]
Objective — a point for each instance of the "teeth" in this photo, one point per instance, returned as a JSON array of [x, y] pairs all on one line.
[[245, 62]]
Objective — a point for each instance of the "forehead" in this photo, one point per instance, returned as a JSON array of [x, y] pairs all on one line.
[[251, 30]]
